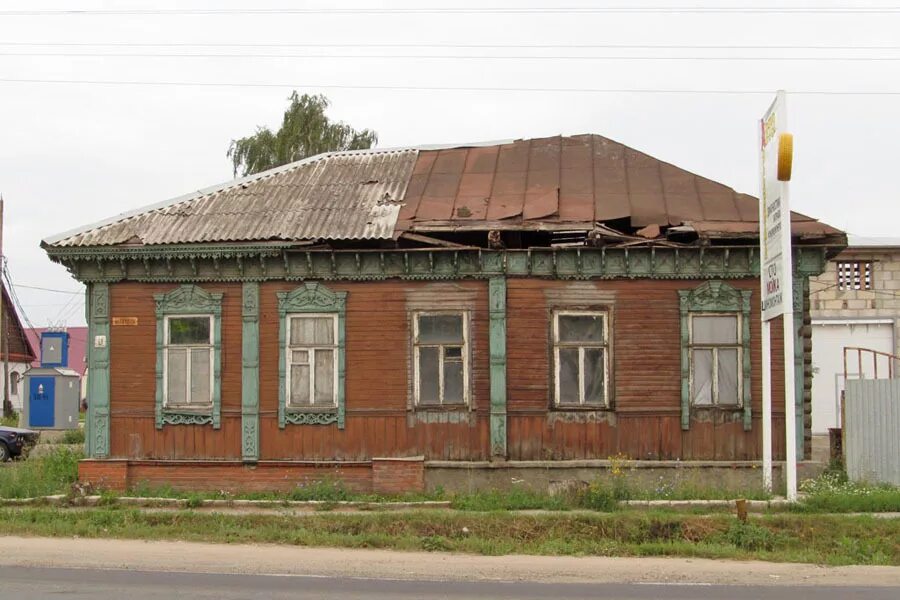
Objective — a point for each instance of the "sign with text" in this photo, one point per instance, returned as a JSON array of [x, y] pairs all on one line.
[[775, 216]]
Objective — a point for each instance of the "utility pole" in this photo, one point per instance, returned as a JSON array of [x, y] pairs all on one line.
[[4, 334]]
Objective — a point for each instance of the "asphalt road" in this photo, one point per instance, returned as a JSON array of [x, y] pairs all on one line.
[[98, 584]]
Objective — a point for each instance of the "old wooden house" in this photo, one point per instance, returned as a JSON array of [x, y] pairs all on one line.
[[455, 316]]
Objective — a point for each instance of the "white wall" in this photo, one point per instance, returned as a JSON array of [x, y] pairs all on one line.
[[828, 341]]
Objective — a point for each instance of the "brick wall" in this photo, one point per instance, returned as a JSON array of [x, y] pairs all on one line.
[[398, 475]]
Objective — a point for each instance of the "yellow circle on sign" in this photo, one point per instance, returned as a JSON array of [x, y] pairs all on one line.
[[785, 156]]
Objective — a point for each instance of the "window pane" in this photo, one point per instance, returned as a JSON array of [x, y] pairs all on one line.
[[452, 353], [715, 329], [429, 378], [312, 330], [189, 330], [568, 376], [453, 382], [324, 381], [300, 356], [702, 364], [200, 376], [581, 328], [728, 376], [176, 376], [299, 385], [593, 375], [440, 329]]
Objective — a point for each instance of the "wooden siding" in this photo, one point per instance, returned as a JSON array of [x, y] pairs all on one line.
[[645, 378]]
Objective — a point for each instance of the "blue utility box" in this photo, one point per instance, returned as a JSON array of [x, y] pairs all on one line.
[[54, 391]]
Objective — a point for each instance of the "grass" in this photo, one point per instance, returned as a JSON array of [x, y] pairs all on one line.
[[10, 421], [786, 537], [832, 492], [70, 437], [51, 474]]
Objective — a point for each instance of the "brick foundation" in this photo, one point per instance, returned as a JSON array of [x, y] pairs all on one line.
[[104, 474], [211, 476], [398, 475]]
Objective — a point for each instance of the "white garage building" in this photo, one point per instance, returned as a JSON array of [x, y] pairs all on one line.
[[854, 303]]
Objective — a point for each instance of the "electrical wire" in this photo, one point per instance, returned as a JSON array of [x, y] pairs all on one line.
[[446, 10], [449, 45], [462, 57], [45, 289], [734, 92]]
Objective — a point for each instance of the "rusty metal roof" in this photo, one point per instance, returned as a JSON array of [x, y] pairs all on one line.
[[341, 195], [568, 182], [555, 183]]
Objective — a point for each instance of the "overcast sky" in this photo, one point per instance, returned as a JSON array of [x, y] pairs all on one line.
[[74, 153]]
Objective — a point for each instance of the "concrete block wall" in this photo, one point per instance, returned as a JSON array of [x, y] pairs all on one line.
[[827, 301]]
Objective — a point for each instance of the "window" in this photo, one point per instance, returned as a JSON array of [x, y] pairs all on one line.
[[13, 384], [441, 359], [188, 357], [311, 350], [716, 358], [715, 350], [580, 358], [854, 275], [312, 355], [188, 361]]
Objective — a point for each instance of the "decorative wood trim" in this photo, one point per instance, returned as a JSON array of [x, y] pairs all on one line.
[[497, 309], [250, 372], [253, 263], [184, 300], [97, 423], [311, 297], [713, 297]]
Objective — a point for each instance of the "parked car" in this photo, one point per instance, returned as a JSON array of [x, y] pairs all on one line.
[[16, 442]]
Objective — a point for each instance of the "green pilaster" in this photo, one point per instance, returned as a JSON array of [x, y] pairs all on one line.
[[497, 307], [250, 372], [801, 285], [97, 439]]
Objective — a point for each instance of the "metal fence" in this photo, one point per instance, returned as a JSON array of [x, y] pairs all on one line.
[[872, 430]]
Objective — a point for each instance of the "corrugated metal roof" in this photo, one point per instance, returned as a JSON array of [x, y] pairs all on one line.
[[343, 195], [548, 183], [574, 180]]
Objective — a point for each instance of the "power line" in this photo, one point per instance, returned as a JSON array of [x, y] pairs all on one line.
[[44, 289], [452, 45], [449, 88], [577, 10], [464, 57]]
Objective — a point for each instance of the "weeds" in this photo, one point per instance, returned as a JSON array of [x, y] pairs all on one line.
[[833, 492], [10, 421], [72, 437], [785, 537], [50, 474]]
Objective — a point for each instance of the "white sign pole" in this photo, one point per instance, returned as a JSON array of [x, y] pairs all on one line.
[[776, 281], [766, 333]]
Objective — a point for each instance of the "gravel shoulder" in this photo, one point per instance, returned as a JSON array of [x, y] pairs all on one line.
[[382, 564]]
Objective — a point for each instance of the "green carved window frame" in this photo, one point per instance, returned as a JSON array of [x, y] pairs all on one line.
[[309, 299], [183, 301], [715, 298]]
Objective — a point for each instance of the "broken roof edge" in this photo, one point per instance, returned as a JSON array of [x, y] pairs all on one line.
[[56, 238]]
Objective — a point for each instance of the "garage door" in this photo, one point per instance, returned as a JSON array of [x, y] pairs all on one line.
[[829, 339]]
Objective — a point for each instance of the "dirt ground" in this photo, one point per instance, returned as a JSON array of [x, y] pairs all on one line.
[[382, 564]]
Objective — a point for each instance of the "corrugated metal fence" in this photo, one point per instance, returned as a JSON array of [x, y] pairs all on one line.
[[872, 430]]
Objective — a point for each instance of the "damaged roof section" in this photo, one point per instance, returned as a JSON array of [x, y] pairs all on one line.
[[572, 182], [347, 195], [584, 190]]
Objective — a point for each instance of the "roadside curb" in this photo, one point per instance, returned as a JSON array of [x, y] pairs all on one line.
[[139, 502]]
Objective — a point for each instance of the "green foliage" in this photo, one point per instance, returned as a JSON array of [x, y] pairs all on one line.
[[50, 474], [785, 537], [749, 536], [833, 492], [11, 420], [72, 436], [515, 499], [305, 131]]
